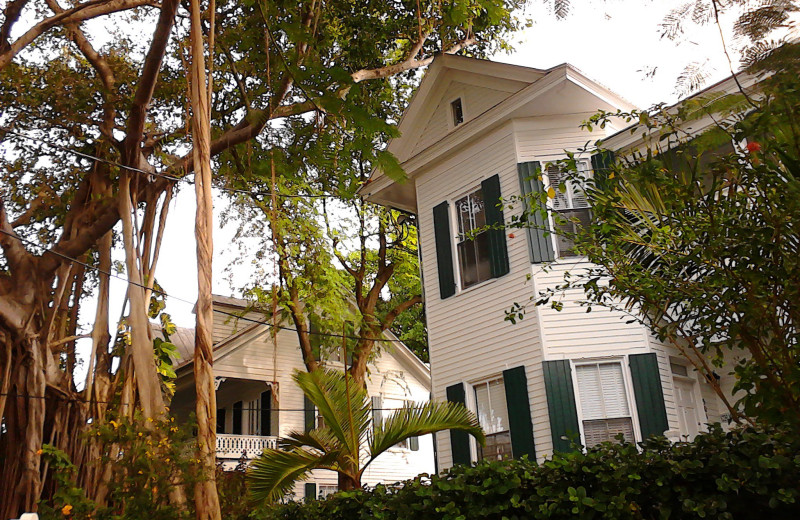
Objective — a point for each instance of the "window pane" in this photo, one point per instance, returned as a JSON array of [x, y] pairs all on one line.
[[484, 268], [498, 446], [590, 392], [478, 209], [490, 399], [497, 396], [567, 224], [468, 263], [605, 430], [602, 391], [679, 370], [464, 220], [483, 406], [554, 179], [492, 411], [473, 252], [614, 396]]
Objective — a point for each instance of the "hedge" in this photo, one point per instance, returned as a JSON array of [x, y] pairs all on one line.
[[740, 474]]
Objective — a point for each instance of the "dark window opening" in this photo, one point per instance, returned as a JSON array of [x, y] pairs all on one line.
[[458, 112]]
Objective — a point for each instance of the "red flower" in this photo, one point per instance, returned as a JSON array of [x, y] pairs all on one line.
[[511, 235], [753, 146]]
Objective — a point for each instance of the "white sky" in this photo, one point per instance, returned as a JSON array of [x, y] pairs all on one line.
[[613, 42]]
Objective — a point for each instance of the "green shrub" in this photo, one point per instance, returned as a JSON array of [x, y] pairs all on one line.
[[741, 474]]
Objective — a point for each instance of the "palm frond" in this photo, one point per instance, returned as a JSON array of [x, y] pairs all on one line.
[[411, 421], [273, 474], [321, 439], [329, 392]]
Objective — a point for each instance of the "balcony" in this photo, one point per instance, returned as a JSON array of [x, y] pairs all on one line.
[[248, 446]]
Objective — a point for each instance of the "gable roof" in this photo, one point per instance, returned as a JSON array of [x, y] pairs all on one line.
[[444, 69], [636, 134], [257, 328], [539, 93]]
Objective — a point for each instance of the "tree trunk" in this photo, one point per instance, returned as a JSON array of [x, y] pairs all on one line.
[[141, 347], [205, 490]]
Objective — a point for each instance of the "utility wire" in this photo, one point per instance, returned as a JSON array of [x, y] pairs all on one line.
[[189, 302], [156, 174], [80, 400]]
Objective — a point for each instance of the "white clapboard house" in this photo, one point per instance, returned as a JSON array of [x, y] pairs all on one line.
[[476, 132], [257, 400]]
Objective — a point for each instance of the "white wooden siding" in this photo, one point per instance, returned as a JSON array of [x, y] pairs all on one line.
[[226, 325], [474, 100], [468, 336], [255, 360], [572, 332]]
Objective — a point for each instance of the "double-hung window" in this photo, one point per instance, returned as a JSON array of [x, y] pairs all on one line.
[[569, 204], [472, 247], [605, 410], [492, 411]]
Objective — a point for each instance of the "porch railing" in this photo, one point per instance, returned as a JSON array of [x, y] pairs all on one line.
[[250, 446]]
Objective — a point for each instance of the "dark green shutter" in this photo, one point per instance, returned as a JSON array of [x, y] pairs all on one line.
[[435, 445], [237, 418], [413, 443], [221, 420], [601, 167], [444, 250], [561, 404], [309, 413], [648, 393], [266, 412], [498, 251], [540, 243], [519, 413], [459, 441], [310, 491]]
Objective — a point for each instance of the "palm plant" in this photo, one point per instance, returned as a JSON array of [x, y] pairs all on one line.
[[348, 442]]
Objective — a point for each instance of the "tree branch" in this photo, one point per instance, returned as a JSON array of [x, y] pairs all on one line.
[[16, 254], [11, 15], [409, 63], [81, 12], [399, 309], [101, 67], [147, 83]]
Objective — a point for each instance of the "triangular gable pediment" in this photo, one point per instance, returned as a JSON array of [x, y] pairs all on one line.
[[480, 84]]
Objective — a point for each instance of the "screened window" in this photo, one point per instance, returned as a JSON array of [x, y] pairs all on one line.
[[570, 205], [490, 400], [473, 249], [604, 403]]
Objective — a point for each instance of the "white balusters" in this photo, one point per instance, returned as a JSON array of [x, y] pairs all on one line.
[[234, 446]]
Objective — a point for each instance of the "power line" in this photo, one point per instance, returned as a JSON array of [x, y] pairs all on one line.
[[182, 300], [97, 401], [161, 175]]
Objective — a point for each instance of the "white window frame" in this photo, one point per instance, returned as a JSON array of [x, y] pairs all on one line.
[[471, 403], [627, 384], [693, 377], [589, 174], [325, 490], [455, 238]]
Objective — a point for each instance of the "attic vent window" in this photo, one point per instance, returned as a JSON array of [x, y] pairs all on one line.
[[458, 112]]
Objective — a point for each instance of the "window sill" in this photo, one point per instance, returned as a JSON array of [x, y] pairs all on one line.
[[561, 260], [476, 286]]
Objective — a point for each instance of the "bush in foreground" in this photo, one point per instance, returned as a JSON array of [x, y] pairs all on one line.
[[740, 474]]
